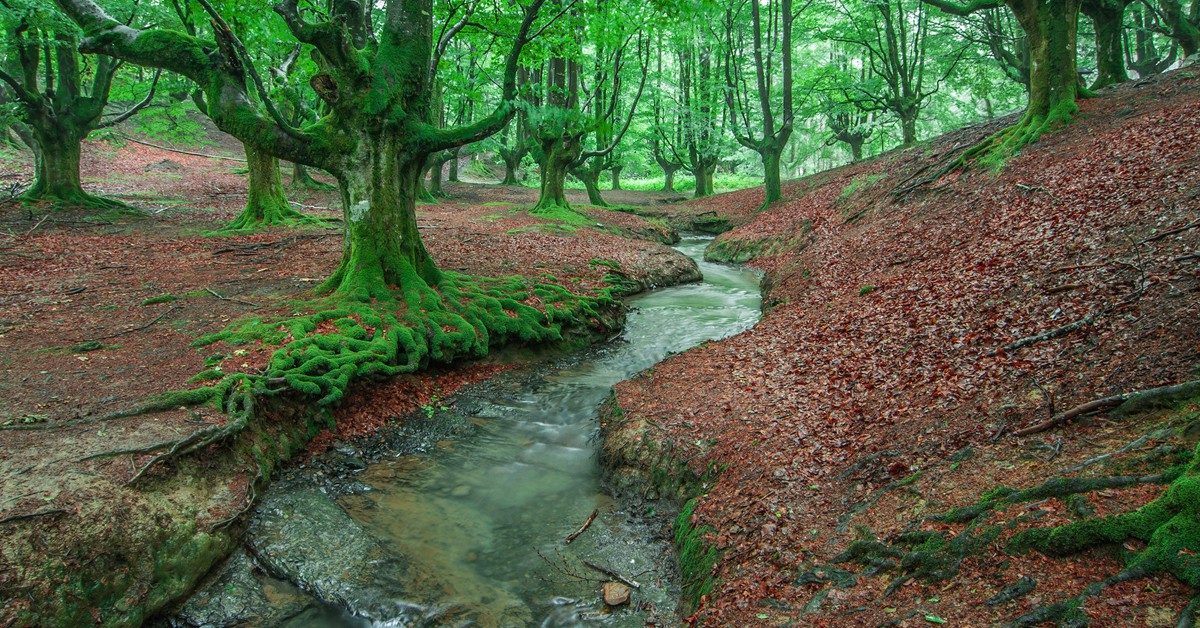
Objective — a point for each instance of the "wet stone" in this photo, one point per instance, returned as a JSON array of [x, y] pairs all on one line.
[[616, 594], [243, 596], [305, 537]]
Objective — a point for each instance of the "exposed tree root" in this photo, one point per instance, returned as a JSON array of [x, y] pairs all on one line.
[[1128, 402], [1046, 335]]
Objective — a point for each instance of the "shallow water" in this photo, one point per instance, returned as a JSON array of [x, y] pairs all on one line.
[[482, 520]]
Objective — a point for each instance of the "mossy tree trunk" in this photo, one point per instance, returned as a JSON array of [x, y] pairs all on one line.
[[554, 161], [303, 180], [616, 176], [512, 160], [266, 204], [703, 171], [1050, 28], [452, 172], [1182, 27], [435, 173], [772, 184], [376, 79], [1108, 18], [43, 76], [590, 178]]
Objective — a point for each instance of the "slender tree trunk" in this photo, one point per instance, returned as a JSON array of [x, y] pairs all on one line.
[[265, 203], [591, 183], [1184, 32], [771, 180], [452, 176], [435, 176], [383, 247], [1108, 17], [616, 177]]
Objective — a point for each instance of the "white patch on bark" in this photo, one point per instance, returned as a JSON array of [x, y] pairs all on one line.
[[358, 210]]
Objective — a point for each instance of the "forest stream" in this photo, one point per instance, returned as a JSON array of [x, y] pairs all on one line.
[[478, 522]]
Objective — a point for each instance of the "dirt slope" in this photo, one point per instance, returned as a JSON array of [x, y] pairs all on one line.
[[872, 396]]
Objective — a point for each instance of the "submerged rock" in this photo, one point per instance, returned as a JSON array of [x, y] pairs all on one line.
[[303, 536], [242, 596]]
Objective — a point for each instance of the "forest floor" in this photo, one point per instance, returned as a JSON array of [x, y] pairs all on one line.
[[877, 393], [99, 312], [870, 398]]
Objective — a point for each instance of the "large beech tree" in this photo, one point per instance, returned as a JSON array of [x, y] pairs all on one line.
[[376, 83], [61, 98], [1050, 28]]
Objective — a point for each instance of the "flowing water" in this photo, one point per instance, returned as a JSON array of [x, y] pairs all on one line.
[[482, 520]]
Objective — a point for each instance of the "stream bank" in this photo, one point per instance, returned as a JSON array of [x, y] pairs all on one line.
[[464, 509]]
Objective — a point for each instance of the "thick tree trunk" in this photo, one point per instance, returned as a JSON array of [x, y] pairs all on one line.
[[856, 148], [703, 174], [616, 177], [383, 248], [1108, 17], [591, 182], [435, 176], [266, 204], [669, 178], [302, 180], [555, 159], [511, 161], [56, 166]]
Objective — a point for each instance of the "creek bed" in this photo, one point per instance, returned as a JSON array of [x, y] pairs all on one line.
[[477, 522]]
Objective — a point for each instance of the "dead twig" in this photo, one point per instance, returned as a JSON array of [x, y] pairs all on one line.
[[225, 298], [1046, 335], [39, 223], [1107, 403], [31, 515], [181, 152], [583, 528], [1064, 288], [1170, 232], [612, 574], [130, 331]]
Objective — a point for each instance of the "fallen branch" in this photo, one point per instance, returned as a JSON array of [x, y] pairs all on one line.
[[1046, 335], [181, 152], [1184, 258], [130, 331], [583, 528], [612, 574], [1170, 232], [31, 515], [1064, 288], [1145, 438], [225, 298], [1137, 396], [39, 223]]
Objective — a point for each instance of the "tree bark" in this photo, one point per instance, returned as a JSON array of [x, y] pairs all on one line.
[[555, 160], [266, 204], [57, 168], [1183, 31], [591, 182], [302, 180], [771, 180], [616, 177], [383, 247], [1108, 18]]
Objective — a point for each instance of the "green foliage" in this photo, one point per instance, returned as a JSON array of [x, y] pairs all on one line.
[[697, 555]]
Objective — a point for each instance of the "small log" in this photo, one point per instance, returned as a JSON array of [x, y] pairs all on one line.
[[583, 528], [1138, 396], [1046, 335], [1191, 225], [612, 574]]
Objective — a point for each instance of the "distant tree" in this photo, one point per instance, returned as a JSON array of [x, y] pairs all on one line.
[[375, 138], [1180, 23], [767, 38], [1143, 53], [1108, 18], [60, 97]]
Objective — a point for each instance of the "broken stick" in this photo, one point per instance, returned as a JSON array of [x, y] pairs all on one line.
[[612, 574], [583, 528]]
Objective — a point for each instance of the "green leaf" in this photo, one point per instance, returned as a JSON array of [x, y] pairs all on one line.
[[934, 619]]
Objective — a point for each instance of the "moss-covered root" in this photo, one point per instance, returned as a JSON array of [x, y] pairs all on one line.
[[76, 199], [1170, 526]]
